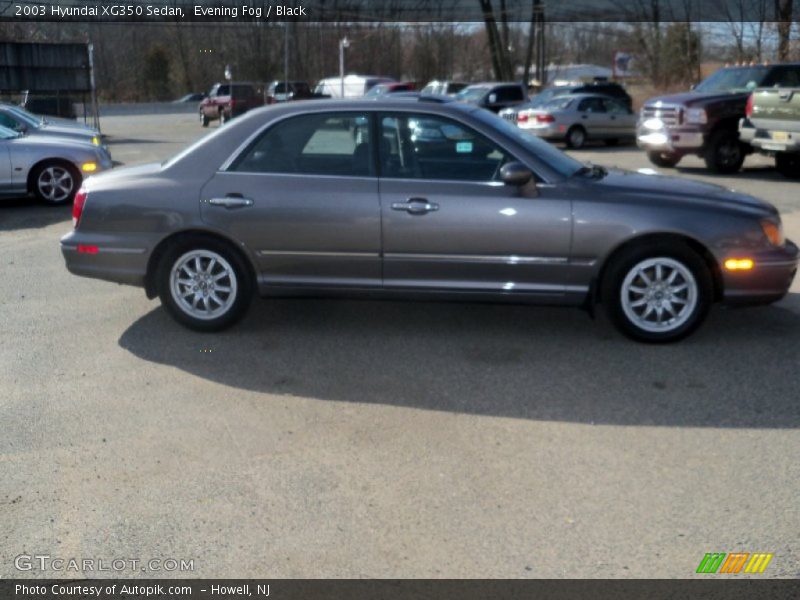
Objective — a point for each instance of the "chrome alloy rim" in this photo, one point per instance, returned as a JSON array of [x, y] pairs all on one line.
[[55, 184], [203, 284], [659, 294]]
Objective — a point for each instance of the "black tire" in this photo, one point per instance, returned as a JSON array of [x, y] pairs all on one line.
[[788, 164], [724, 152], [240, 283], [204, 119], [223, 118], [665, 160], [42, 192], [576, 137], [612, 142], [697, 303]]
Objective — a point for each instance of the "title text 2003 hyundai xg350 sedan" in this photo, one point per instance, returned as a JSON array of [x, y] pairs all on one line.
[[421, 198]]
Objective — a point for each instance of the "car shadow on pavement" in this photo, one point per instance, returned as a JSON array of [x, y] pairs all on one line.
[[553, 364], [27, 213]]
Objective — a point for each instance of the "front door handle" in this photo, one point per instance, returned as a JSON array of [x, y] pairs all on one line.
[[232, 201], [416, 206]]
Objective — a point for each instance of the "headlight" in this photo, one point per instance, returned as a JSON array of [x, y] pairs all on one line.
[[773, 231], [96, 140], [696, 115]]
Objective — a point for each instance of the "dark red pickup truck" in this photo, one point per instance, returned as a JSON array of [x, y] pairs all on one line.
[[228, 100]]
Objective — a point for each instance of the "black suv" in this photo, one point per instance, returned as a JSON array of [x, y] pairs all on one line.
[[493, 96]]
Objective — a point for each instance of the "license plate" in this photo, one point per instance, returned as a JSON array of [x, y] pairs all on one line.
[[780, 136], [775, 147]]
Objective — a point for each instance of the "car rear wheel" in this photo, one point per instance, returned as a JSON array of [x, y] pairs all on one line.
[[576, 137], [204, 284], [56, 183], [663, 159], [788, 164], [204, 119], [657, 293], [725, 153], [223, 117]]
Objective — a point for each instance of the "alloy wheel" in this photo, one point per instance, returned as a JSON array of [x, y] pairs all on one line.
[[203, 284], [659, 295], [55, 184]]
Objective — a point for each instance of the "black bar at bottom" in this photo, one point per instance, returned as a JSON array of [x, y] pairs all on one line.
[[398, 589]]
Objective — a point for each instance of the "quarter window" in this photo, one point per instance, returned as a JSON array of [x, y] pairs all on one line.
[[430, 147], [316, 144]]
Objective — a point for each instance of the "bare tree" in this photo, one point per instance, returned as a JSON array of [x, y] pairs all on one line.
[[783, 11]]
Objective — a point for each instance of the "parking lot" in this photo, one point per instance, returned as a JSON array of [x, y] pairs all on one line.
[[343, 438]]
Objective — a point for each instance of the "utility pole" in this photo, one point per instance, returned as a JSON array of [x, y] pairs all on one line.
[[343, 43], [286, 59], [541, 59]]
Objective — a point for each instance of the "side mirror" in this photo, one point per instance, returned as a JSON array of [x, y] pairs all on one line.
[[515, 173]]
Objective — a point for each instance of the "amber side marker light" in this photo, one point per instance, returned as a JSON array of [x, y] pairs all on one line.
[[739, 264], [89, 167]]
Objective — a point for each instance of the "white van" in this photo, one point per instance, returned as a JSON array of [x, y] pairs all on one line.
[[354, 85]]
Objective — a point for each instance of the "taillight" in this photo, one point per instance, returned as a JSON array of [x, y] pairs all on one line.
[[232, 103], [545, 118], [522, 118], [748, 108], [77, 206]]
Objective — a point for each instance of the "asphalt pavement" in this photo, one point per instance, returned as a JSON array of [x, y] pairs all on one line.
[[339, 438]]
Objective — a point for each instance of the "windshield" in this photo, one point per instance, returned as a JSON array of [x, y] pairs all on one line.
[[8, 134], [29, 118], [564, 165], [732, 80], [472, 94], [378, 90]]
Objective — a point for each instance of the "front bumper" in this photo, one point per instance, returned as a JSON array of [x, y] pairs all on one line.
[[768, 281], [674, 140]]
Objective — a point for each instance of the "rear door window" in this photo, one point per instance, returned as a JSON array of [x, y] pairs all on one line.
[[335, 144]]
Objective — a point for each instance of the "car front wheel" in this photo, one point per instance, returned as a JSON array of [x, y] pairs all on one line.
[[657, 292], [725, 153], [204, 119], [204, 285], [663, 159], [56, 183]]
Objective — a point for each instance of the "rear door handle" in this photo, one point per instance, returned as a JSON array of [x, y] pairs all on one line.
[[416, 206], [232, 201]]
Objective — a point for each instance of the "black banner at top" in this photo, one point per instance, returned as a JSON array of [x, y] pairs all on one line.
[[375, 11]]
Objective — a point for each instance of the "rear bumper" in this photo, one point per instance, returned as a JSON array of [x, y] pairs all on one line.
[[767, 282], [110, 262], [764, 140]]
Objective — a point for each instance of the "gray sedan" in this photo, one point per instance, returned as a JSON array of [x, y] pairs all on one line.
[[50, 168], [18, 119], [421, 198], [577, 118]]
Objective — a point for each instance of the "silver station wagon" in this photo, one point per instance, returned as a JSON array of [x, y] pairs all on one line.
[[421, 198]]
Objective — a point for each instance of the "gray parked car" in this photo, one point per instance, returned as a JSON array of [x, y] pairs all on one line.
[[18, 119], [414, 197], [48, 167], [576, 118]]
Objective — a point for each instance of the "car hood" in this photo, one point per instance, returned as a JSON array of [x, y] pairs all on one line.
[[693, 98], [654, 187], [55, 141], [70, 124], [53, 129]]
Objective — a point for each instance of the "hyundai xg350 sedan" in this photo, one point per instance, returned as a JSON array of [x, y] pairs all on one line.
[[417, 198]]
